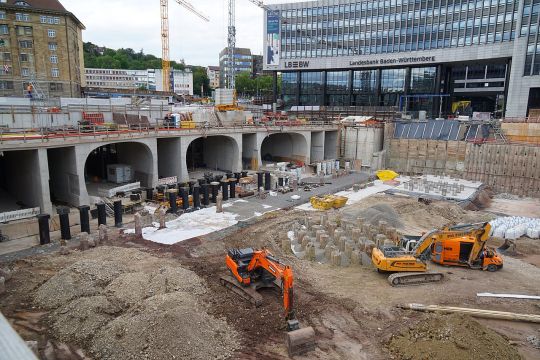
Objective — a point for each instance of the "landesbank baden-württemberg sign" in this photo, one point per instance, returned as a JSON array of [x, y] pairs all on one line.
[[317, 64]]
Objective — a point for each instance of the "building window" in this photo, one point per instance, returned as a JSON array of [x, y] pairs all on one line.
[[51, 33], [23, 30], [43, 19], [23, 57], [4, 29], [54, 59], [6, 56], [56, 87], [22, 3], [55, 72], [25, 72], [25, 44], [2, 15], [49, 20], [6, 85], [53, 46], [22, 17]]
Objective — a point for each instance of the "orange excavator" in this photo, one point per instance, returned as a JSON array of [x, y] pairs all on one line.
[[255, 269]]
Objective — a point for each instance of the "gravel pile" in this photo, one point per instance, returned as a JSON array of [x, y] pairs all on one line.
[[83, 278], [379, 212], [449, 337], [125, 304], [166, 326]]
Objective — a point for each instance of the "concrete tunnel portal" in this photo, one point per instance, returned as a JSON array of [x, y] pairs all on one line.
[[212, 153], [97, 168], [291, 147], [20, 180]]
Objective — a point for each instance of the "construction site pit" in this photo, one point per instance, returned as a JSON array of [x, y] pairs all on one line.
[[125, 297]]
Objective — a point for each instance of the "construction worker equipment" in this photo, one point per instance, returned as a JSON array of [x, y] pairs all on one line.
[[460, 245], [255, 269]]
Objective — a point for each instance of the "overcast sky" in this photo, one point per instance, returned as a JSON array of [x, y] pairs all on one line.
[[136, 24]]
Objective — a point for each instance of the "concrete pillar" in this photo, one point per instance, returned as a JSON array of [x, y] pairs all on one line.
[[219, 203], [103, 233], [42, 180], [63, 213], [118, 213], [196, 197], [138, 225], [162, 214], [317, 146]]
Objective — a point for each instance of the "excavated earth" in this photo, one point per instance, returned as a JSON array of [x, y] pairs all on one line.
[[134, 299]]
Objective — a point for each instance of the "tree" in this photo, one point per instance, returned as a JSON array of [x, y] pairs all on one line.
[[200, 77]]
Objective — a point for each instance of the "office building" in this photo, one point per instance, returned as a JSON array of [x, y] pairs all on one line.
[[242, 62], [150, 79], [407, 53]]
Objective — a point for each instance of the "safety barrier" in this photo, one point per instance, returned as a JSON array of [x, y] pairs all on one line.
[[19, 214], [94, 118]]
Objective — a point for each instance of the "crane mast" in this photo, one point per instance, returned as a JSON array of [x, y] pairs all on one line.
[[231, 41], [165, 56]]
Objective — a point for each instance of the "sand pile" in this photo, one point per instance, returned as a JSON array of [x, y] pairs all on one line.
[[376, 213], [449, 337], [124, 304]]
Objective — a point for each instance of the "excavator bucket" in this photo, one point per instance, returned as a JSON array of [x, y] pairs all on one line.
[[300, 341], [507, 246]]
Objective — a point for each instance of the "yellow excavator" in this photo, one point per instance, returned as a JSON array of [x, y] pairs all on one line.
[[459, 245]]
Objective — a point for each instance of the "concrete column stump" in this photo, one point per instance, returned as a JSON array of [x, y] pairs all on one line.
[[300, 235], [103, 233], [368, 247], [323, 241], [336, 258], [2, 285], [83, 241], [286, 245], [219, 204], [356, 258], [162, 213], [305, 241], [138, 225], [318, 234], [310, 252], [331, 227], [341, 243], [382, 226], [348, 249], [338, 233], [355, 234], [324, 219], [328, 251]]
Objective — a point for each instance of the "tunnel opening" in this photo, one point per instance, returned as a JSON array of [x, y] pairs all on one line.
[[330, 145], [113, 165], [250, 153], [20, 185], [63, 176], [285, 147], [216, 154]]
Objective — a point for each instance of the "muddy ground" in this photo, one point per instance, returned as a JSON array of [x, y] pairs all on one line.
[[353, 310]]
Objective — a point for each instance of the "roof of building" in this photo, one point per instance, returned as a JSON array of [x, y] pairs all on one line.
[[215, 68], [40, 4]]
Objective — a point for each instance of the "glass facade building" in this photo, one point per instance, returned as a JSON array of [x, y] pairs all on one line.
[[380, 52]]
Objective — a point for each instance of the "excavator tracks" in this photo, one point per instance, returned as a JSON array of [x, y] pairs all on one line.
[[246, 292], [414, 278]]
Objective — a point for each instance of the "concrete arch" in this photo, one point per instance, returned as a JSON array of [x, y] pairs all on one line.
[[141, 154], [286, 146], [221, 152]]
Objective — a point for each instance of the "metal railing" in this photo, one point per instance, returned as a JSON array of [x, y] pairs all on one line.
[[137, 130]]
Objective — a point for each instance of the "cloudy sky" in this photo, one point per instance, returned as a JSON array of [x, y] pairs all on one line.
[[136, 24]]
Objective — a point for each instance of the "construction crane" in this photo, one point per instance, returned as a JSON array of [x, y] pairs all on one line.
[[165, 57], [231, 40]]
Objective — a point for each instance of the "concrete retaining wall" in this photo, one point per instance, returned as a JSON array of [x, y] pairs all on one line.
[[362, 142], [505, 167]]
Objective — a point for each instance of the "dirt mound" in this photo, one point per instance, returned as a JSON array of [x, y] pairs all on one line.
[[125, 304], [376, 213], [166, 326], [83, 278], [451, 337], [82, 318]]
